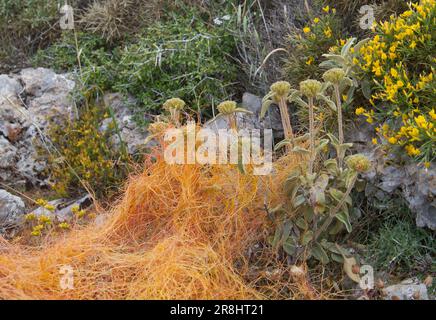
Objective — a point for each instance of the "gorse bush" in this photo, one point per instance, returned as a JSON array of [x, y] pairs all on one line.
[[399, 63]]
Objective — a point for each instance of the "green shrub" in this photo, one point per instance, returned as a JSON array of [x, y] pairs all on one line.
[[26, 26], [184, 57]]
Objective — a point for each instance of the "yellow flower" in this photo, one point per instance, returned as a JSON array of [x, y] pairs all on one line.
[[36, 231], [306, 29], [44, 220], [414, 134], [412, 151], [81, 213], [394, 73], [328, 32], [360, 111], [326, 9], [432, 114], [421, 122], [427, 164], [64, 225], [50, 207], [31, 216], [316, 20], [310, 61], [413, 45], [41, 202], [392, 140], [374, 141], [370, 119]]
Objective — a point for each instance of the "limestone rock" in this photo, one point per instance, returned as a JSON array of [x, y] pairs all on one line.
[[409, 289], [12, 210]]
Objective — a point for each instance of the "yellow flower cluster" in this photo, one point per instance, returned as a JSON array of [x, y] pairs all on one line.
[[400, 64], [88, 156]]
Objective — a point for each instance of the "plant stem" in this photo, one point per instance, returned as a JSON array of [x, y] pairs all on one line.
[[312, 135], [286, 122], [335, 210], [232, 122], [340, 124]]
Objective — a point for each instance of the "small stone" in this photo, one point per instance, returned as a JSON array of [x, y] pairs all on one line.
[[406, 290]]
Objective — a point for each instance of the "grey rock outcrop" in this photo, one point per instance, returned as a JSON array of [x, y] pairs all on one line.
[[414, 182], [12, 210], [29, 102], [131, 134]]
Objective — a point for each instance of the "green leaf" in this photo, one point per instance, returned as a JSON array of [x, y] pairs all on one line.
[[307, 237], [277, 236], [337, 257], [299, 101], [287, 226], [322, 143], [281, 144], [336, 194], [336, 58], [319, 254], [333, 139], [337, 227], [346, 48], [344, 147], [359, 45], [289, 246], [332, 166], [293, 175], [302, 138], [302, 224], [265, 106], [300, 150], [345, 219], [327, 100], [298, 201], [366, 89], [308, 213], [242, 110]]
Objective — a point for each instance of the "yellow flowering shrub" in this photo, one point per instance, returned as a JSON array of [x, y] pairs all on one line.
[[86, 155], [400, 62], [307, 45]]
